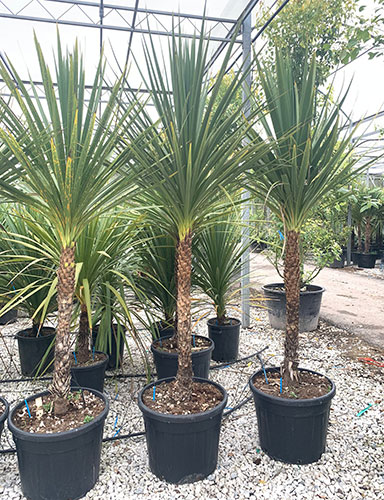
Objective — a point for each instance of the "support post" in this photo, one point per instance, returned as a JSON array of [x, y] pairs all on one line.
[[245, 295]]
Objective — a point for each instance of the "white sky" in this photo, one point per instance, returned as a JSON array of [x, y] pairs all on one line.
[[16, 39]]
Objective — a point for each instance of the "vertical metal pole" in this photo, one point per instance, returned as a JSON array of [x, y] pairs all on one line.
[[101, 14], [245, 305], [349, 242]]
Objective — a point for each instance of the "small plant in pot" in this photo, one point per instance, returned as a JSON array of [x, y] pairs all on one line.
[[310, 158], [196, 155], [67, 163], [367, 208], [217, 264], [27, 276]]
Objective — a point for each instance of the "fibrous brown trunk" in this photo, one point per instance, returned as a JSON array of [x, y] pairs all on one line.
[[174, 336], [60, 386], [83, 352], [292, 291], [368, 233], [184, 263]]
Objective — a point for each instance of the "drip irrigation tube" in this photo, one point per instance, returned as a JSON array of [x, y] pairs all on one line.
[[134, 375]]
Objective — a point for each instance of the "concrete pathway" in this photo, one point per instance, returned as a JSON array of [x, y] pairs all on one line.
[[351, 301]]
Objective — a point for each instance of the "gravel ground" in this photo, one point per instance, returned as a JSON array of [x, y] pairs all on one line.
[[351, 467]]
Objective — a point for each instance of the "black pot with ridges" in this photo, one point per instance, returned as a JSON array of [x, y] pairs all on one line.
[[226, 338], [292, 430], [366, 260], [183, 448], [61, 465], [166, 362], [32, 350]]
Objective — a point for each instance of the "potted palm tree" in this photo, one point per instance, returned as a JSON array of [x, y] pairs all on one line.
[[190, 156], [66, 160], [27, 278], [217, 265], [309, 159], [367, 207]]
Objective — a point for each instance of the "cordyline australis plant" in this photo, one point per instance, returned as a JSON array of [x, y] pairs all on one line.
[[65, 159], [309, 159], [191, 156]]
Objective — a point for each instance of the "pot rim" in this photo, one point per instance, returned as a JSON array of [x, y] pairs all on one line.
[[237, 322], [51, 334], [57, 436], [93, 365], [4, 415], [174, 354], [268, 288], [182, 419], [292, 402]]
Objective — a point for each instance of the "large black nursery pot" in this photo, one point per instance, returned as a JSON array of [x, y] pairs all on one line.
[[166, 362], [8, 317], [292, 430], [183, 448], [310, 302], [226, 339], [91, 376], [115, 357], [366, 260], [62, 465], [32, 350], [338, 263], [4, 414]]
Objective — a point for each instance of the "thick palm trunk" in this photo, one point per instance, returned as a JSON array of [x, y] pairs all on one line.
[[176, 288], [368, 234], [60, 386], [83, 352], [292, 291], [184, 264]]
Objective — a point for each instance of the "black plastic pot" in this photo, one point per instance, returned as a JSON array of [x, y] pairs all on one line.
[[8, 317], [292, 430], [4, 415], [226, 339], [183, 448], [366, 260], [33, 349], [162, 330], [62, 465], [166, 362], [114, 361], [91, 376], [338, 263], [310, 302]]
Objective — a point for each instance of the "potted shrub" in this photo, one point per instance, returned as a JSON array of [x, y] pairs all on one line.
[[27, 278], [67, 162], [217, 265], [368, 207], [196, 155], [309, 159]]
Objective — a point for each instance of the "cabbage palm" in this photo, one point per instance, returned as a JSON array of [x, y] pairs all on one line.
[[66, 161], [309, 159], [192, 157]]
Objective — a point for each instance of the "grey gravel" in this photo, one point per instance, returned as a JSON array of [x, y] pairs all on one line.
[[351, 467]]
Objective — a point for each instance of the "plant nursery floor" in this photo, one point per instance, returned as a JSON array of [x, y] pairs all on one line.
[[353, 297], [351, 467]]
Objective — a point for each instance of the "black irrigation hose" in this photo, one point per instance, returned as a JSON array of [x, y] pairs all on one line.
[[136, 375], [124, 436], [238, 406]]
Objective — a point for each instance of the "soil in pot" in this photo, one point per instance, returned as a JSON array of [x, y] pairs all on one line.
[[90, 373], [183, 448], [291, 429], [165, 356], [59, 465], [226, 338], [4, 409], [33, 348], [310, 303]]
